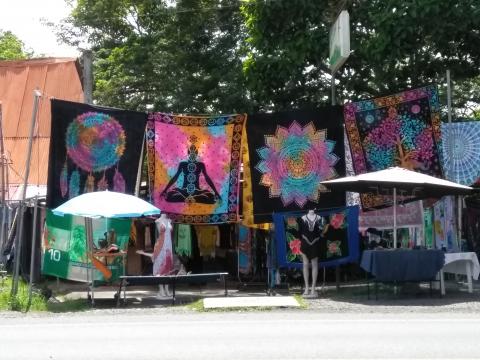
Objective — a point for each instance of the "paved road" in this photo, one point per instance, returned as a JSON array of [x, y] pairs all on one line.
[[248, 335]]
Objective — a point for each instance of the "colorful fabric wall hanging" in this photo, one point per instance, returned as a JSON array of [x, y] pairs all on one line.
[[444, 224], [409, 214], [397, 130], [247, 196], [244, 249], [461, 146], [64, 248], [290, 153], [197, 167], [428, 225], [339, 243], [92, 148]]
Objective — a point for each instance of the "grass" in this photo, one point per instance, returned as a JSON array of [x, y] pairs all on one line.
[[39, 302], [301, 301], [20, 301]]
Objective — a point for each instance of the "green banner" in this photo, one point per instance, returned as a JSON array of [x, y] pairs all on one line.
[[65, 249]]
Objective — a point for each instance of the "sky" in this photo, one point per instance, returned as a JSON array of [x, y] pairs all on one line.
[[23, 19]]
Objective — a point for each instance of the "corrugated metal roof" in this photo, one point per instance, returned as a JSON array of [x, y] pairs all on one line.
[[55, 78]]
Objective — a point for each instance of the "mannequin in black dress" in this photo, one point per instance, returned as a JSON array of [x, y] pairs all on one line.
[[310, 228]]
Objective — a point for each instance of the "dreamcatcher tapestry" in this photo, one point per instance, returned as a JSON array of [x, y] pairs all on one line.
[[338, 243], [92, 148], [397, 130], [197, 167], [461, 152], [290, 153]]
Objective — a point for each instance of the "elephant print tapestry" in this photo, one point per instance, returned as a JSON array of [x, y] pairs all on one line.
[[197, 167], [91, 149], [397, 130], [290, 154]]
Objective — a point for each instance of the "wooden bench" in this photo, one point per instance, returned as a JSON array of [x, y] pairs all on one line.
[[172, 280]]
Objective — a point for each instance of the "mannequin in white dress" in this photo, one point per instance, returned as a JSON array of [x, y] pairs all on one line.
[[162, 252]]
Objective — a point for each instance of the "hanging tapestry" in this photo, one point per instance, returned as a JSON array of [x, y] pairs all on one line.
[[444, 224], [246, 190], [461, 152], [197, 167], [92, 148], [398, 130], [244, 249], [290, 154], [409, 214], [428, 225], [65, 252], [338, 243]]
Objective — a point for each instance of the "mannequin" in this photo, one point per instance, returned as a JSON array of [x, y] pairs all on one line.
[[162, 253], [310, 228]]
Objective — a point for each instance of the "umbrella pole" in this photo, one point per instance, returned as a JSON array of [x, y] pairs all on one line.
[[394, 218], [90, 271]]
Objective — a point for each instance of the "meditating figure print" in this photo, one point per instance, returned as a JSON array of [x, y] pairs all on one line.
[[190, 191]]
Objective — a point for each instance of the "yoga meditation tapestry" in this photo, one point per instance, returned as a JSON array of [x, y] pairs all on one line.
[[398, 130], [92, 148], [290, 153], [461, 152], [197, 167], [338, 241]]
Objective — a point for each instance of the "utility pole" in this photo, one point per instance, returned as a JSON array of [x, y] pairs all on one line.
[[21, 209], [87, 74]]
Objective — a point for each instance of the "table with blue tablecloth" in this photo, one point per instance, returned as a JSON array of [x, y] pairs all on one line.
[[403, 265]]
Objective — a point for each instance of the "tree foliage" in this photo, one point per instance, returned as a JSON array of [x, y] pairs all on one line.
[[396, 44], [181, 57], [11, 47], [243, 55]]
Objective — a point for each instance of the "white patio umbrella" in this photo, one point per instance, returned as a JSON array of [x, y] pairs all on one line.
[[104, 204], [407, 182]]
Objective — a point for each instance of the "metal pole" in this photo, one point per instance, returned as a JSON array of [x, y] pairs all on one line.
[[334, 101], [394, 218], [2, 179], [18, 246], [32, 251], [89, 238], [87, 61]]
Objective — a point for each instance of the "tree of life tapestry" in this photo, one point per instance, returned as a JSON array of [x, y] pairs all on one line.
[[197, 167], [290, 154], [92, 148], [397, 130]]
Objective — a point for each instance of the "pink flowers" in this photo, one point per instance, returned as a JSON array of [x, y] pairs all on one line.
[[295, 246], [337, 220]]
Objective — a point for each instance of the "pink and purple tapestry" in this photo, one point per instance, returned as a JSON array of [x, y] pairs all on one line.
[[197, 166], [397, 130], [92, 148]]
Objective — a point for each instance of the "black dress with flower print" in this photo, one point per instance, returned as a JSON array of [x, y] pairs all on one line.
[[310, 233]]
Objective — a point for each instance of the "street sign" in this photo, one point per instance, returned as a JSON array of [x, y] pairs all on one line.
[[339, 41]]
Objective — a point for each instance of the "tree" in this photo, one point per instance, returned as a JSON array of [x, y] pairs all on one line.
[[11, 47], [182, 56], [396, 44]]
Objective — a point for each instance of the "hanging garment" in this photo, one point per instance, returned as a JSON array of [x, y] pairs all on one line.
[[207, 239], [92, 148], [197, 166], [183, 240], [244, 249], [162, 252], [290, 154], [397, 130]]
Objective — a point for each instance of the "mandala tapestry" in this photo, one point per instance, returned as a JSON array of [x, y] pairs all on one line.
[[398, 130], [461, 152], [197, 167], [339, 242], [92, 148], [290, 154]]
